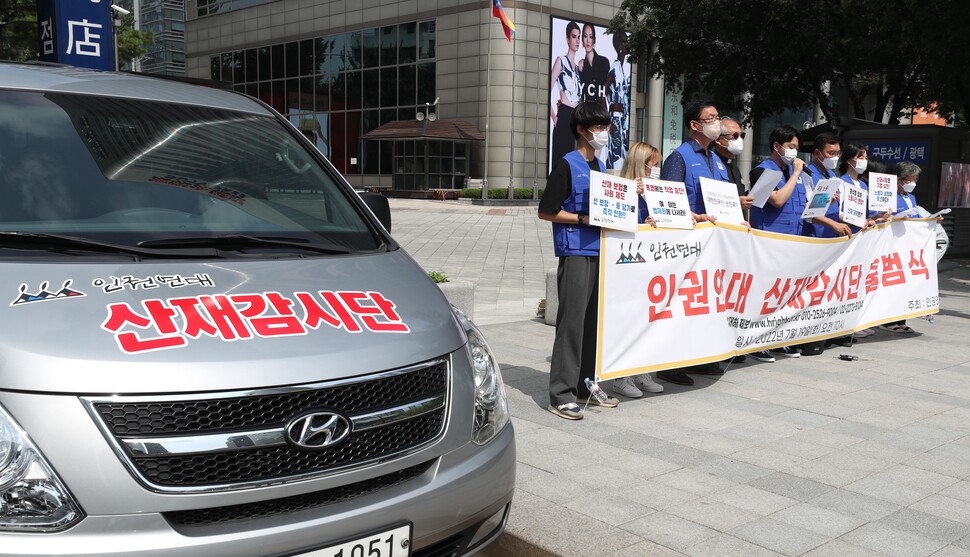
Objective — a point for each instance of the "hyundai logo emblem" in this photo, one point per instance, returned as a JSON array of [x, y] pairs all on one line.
[[317, 430]]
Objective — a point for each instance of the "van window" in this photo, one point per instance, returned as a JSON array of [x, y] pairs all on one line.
[[130, 171]]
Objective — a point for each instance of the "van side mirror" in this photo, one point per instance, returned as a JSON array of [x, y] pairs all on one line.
[[378, 205]]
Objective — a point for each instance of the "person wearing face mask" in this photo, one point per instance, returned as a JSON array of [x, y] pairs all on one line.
[[694, 159], [825, 161], [907, 174], [783, 211], [565, 203], [729, 146], [855, 162], [642, 161]]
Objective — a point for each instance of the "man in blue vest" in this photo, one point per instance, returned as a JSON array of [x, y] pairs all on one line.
[[693, 160], [565, 203], [824, 166]]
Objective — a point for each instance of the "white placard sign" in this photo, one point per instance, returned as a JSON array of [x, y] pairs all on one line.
[[882, 192], [822, 196], [761, 190], [668, 203], [612, 201], [721, 200], [854, 205]]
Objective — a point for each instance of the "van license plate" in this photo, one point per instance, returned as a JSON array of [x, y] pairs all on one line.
[[392, 543]]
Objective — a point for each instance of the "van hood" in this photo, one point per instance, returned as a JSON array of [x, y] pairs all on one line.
[[169, 327]]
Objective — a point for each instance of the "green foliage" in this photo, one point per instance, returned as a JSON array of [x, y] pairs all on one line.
[[438, 277], [18, 30], [782, 51], [132, 44], [498, 193]]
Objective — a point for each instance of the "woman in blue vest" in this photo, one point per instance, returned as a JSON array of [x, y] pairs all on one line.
[[565, 203], [907, 173], [783, 211]]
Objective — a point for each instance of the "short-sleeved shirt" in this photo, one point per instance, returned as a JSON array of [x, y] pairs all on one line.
[[558, 187]]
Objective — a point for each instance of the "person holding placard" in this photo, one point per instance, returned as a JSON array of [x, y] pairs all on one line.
[[565, 203], [695, 159], [855, 161], [825, 161], [642, 161]]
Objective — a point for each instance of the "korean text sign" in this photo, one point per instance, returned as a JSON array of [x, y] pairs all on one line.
[[882, 192], [668, 203], [673, 298], [613, 201], [76, 32]]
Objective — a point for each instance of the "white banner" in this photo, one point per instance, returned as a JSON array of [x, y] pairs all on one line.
[[686, 297]]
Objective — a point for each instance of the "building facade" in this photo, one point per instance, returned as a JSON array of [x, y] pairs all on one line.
[[339, 69]]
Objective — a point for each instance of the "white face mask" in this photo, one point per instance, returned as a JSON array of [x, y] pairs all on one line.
[[599, 140], [713, 130], [790, 155], [655, 172], [831, 163], [861, 165], [908, 187], [735, 146]]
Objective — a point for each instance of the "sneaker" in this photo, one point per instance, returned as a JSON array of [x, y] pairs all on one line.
[[610, 402], [763, 356], [675, 376], [645, 383], [624, 386], [785, 352], [570, 411], [863, 333]]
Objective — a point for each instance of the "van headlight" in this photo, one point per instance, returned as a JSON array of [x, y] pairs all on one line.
[[32, 498], [491, 406]]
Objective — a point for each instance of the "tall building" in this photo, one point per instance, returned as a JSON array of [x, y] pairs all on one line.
[[166, 19], [342, 69]]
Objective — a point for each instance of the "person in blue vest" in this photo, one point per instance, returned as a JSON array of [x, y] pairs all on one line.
[[825, 162], [692, 160], [783, 211], [565, 203], [695, 158]]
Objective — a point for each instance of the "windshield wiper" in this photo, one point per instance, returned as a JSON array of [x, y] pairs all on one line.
[[241, 241], [60, 242]]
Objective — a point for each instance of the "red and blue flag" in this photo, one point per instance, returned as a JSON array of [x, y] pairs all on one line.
[[507, 25]]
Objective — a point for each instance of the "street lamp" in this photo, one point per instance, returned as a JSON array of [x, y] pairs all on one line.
[[117, 24]]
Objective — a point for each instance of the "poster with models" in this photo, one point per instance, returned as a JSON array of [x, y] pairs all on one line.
[[587, 64]]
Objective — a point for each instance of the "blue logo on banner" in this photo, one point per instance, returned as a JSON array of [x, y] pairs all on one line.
[[76, 32]]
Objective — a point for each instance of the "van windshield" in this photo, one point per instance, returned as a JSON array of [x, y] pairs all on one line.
[[136, 172]]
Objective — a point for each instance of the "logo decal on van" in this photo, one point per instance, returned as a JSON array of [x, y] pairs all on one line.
[[160, 324], [44, 294], [130, 282]]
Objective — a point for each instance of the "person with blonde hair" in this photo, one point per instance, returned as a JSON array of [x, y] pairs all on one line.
[[642, 161]]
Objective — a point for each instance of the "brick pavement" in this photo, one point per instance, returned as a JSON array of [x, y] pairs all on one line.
[[809, 456]]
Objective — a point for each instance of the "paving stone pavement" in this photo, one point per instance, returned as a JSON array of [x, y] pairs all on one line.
[[809, 456]]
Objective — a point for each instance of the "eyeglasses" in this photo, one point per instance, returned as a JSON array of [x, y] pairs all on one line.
[[707, 120], [734, 135]]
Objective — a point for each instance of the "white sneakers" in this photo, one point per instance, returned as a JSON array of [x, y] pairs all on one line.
[[634, 387], [645, 383]]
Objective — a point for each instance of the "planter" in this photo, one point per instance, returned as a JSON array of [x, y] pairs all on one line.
[[461, 294]]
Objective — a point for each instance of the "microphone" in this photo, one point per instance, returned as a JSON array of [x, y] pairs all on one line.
[[808, 170]]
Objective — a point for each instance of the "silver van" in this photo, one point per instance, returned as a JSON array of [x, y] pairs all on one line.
[[212, 346]]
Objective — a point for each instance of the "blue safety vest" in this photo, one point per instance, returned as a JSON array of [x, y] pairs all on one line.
[[832, 212], [577, 239], [696, 166], [901, 202], [788, 218]]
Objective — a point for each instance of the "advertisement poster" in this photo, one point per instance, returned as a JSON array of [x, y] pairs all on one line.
[[587, 64], [954, 185], [613, 202]]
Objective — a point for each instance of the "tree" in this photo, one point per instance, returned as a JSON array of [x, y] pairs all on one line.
[[132, 44], [18, 30], [783, 51]]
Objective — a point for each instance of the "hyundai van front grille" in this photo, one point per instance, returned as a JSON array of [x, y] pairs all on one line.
[[216, 442]]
